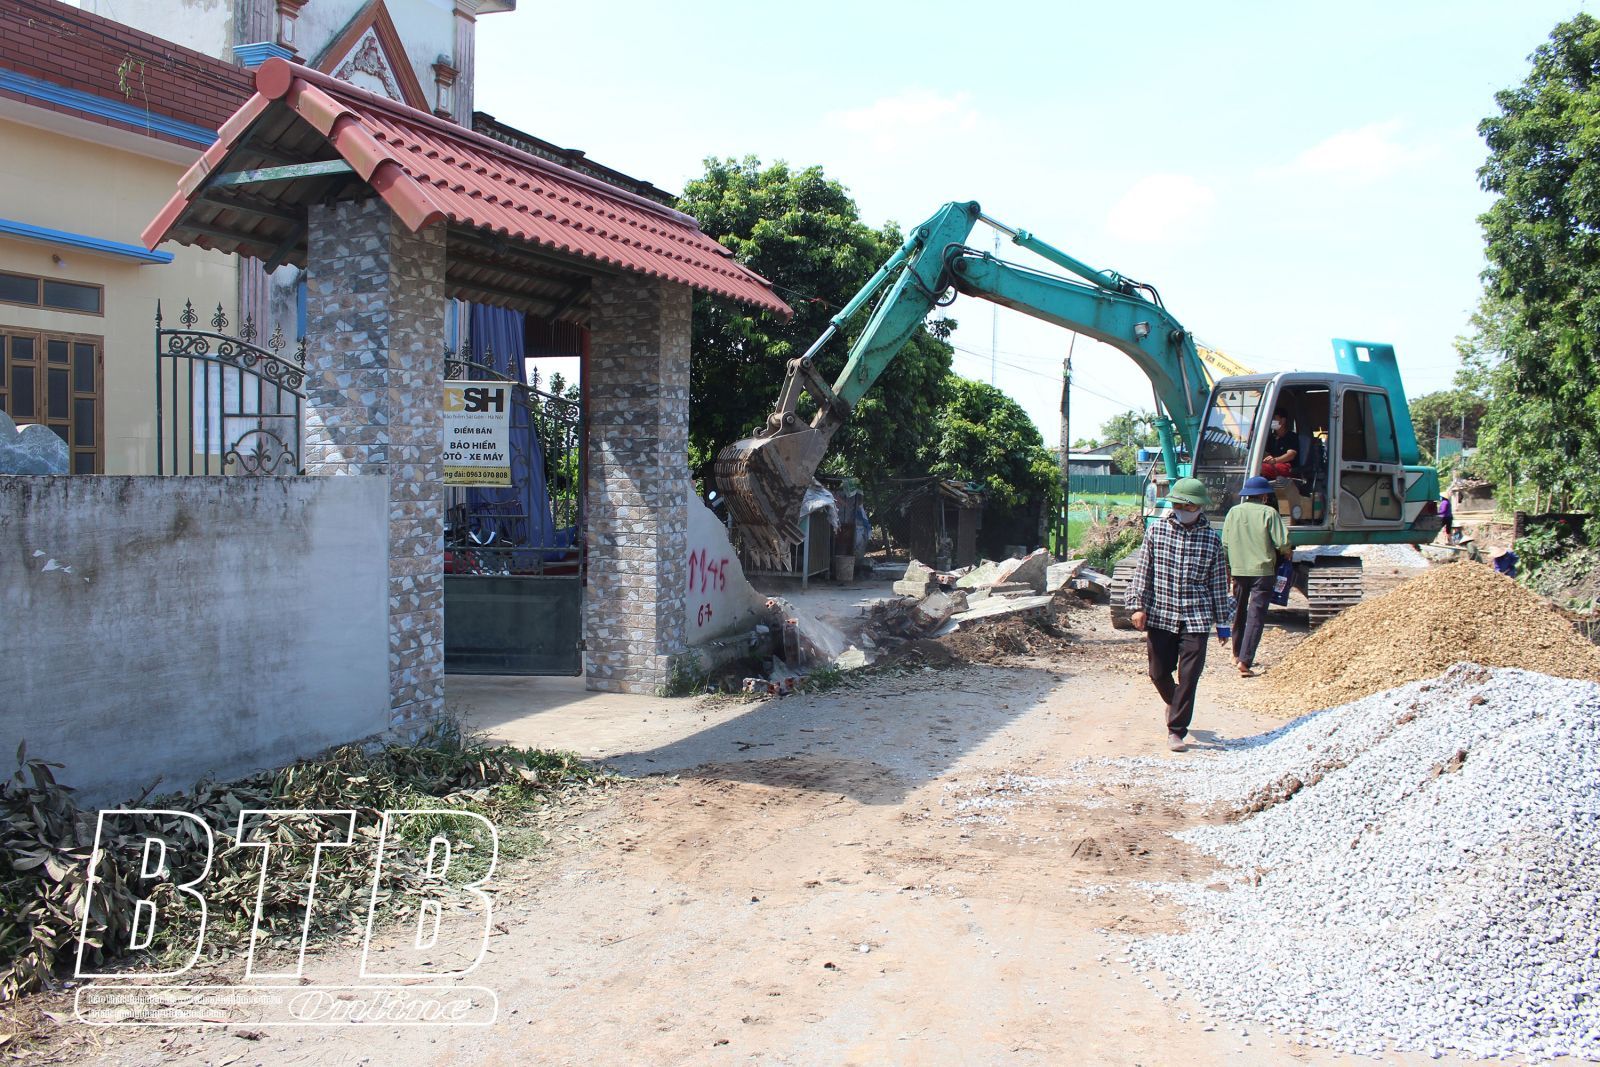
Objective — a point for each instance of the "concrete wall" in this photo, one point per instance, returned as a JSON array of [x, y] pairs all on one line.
[[718, 598], [177, 627], [59, 181]]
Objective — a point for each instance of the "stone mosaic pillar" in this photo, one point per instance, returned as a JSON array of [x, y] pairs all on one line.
[[375, 326], [637, 391]]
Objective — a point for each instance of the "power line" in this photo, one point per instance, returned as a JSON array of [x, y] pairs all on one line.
[[1049, 377]]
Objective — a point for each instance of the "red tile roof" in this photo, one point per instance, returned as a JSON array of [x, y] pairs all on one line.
[[429, 171], [58, 43]]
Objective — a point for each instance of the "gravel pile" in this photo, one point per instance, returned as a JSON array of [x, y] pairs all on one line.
[[1378, 555], [1464, 612], [1417, 871]]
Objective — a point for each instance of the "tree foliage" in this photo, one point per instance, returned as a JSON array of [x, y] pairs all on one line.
[[982, 435], [801, 231], [1538, 334], [1131, 430], [1447, 412], [1526, 444]]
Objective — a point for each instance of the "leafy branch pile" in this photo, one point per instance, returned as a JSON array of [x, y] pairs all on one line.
[[46, 842]]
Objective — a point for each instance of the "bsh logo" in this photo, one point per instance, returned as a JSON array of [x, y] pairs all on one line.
[[474, 398]]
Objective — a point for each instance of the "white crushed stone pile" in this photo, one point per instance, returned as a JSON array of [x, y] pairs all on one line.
[[1378, 555], [1421, 872]]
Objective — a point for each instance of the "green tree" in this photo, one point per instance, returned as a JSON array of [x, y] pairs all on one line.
[[801, 231], [1448, 412], [1131, 430], [1524, 440], [1542, 240], [982, 435]]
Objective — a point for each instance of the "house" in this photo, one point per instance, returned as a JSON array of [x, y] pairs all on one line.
[[99, 118], [98, 121], [1095, 460], [937, 520], [225, 217]]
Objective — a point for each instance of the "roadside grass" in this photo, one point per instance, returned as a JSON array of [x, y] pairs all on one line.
[[457, 785]]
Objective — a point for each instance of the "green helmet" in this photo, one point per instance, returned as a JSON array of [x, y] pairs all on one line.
[[1189, 491]]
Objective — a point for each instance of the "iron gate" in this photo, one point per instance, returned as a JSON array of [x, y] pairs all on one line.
[[514, 558], [225, 401]]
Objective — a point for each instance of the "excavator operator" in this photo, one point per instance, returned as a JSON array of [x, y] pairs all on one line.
[[1283, 446]]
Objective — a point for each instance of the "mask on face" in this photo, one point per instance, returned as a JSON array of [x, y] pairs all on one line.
[[1277, 426], [1188, 518]]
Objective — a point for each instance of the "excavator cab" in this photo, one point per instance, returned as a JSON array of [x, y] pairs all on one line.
[[1333, 458]]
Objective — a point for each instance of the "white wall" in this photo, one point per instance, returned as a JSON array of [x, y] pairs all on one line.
[[427, 28], [719, 601], [203, 25], [176, 627]]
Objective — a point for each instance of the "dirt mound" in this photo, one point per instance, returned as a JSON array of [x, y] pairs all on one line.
[[1462, 612], [1000, 639]]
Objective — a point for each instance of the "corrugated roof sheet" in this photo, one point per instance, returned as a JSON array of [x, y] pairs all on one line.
[[430, 171]]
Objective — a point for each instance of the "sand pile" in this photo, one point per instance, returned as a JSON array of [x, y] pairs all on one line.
[[1464, 612]]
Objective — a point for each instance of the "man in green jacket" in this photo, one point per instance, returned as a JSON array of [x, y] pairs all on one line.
[[1255, 540]]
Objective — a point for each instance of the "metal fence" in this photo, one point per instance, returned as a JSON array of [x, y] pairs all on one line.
[[1095, 484], [225, 405]]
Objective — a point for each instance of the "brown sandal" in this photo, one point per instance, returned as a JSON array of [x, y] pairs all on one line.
[[1246, 672]]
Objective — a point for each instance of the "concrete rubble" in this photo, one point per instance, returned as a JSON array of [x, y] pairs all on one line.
[[928, 603], [1057, 575], [993, 606], [1030, 571], [943, 600], [985, 573], [31, 449], [917, 581]]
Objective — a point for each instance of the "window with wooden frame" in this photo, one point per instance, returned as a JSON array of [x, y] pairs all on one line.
[[55, 379], [52, 294]]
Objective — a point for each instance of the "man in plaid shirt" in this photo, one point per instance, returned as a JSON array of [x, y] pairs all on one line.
[[1178, 594]]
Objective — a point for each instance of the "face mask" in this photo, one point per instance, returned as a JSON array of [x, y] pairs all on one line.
[[1188, 518], [1277, 427]]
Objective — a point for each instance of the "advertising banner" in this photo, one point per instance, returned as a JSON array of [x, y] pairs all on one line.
[[477, 433]]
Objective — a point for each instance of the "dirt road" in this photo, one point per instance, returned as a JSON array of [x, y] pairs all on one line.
[[907, 870]]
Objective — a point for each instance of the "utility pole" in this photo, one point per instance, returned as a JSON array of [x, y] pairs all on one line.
[[1066, 446]]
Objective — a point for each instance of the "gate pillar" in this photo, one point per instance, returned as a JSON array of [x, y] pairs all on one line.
[[637, 395], [375, 315]]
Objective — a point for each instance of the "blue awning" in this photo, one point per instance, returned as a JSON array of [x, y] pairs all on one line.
[[98, 246]]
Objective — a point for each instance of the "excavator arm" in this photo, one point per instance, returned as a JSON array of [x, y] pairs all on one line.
[[765, 476]]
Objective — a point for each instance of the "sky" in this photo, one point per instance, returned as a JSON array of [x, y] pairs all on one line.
[[1283, 173]]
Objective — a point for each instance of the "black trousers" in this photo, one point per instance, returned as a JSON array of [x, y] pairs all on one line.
[[1186, 654], [1251, 598]]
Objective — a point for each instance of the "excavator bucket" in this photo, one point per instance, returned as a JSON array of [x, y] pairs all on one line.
[[765, 480]]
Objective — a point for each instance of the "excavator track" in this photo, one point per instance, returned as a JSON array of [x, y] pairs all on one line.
[[1332, 585], [1121, 576]]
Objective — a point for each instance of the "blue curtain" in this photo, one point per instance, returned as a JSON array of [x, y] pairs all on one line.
[[520, 514]]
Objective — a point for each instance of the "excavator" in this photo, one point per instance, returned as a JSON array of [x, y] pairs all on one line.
[[1357, 477]]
